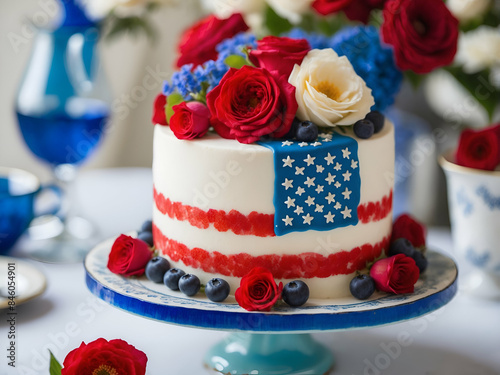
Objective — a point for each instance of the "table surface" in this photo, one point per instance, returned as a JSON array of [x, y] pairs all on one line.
[[461, 338]]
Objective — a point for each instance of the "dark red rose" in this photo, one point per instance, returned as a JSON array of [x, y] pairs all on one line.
[[407, 227], [279, 53], [190, 120], [326, 7], [251, 102], [258, 290], [397, 274], [423, 33], [198, 43], [360, 10], [159, 116], [128, 256], [103, 357], [479, 149]]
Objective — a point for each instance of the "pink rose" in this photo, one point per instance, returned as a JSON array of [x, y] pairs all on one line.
[[190, 120], [397, 274]]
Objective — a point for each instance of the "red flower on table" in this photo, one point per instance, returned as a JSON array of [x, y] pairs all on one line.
[[326, 7], [423, 33], [397, 274], [197, 44], [279, 53], [105, 357], [405, 226], [190, 120], [250, 103], [159, 116], [129, 256], [479, 149], [258, 291]]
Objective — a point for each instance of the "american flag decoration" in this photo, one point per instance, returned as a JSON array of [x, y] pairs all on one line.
[[317, 184]]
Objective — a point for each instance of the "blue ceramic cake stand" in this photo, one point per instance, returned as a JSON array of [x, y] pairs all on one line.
[[275, 343]]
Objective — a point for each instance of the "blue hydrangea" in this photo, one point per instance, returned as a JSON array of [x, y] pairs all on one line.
[[316, 41], [235, 45], [371, 60]]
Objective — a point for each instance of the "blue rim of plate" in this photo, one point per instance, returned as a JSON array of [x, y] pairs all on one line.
[[436, 287]]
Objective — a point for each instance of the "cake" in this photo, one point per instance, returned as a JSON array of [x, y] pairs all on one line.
[[214, 214]]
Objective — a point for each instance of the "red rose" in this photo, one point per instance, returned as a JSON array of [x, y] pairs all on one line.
[[198, 43], [128, 256], [423, 33], [190, 120], [258, 290], [479, 149], [279, 53], [407, 227], [159, 116], [251, 102], [326, 7], [103, 357], [397, 274], [360, 10]]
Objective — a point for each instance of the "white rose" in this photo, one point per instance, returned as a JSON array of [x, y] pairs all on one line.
[[328, 90], [479, 49], [292, 10], [225, 8], [466, 10], [99, 9]]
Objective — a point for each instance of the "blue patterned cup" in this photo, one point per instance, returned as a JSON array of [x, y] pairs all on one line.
[[474, 203], [18, 192]]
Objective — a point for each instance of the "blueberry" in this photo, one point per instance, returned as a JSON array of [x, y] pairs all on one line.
[[147, 226], [295, 293], [420, 260], [156, 268], [189, 284], [364, 129], [146, 237], [292, 133], [307, 132], [362, 286], [171, 278], [401, 246], [217, 290], [377, 119]]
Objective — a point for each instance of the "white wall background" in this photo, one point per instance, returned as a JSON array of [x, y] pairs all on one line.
[[126, 60]]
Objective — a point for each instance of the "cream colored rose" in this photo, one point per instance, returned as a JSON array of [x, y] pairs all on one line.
[[479, 49], [328, 90], [98, 9], [466, 10], [292, 10], [251, 10]]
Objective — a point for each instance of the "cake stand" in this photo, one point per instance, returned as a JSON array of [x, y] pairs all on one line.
[[274, 343]]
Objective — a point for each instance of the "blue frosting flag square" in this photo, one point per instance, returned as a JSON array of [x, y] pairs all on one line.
[[317, 184]]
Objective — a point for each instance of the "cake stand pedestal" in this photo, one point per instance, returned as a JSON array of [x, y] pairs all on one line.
[[274, 343]]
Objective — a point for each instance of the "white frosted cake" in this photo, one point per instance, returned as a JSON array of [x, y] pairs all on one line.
[[222, 207]]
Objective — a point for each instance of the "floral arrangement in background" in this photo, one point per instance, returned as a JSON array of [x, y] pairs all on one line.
[[101, 357], [119, 16], [479, 149]]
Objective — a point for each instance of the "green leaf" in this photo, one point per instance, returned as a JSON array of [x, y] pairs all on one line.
[[55, 367], [133, 25], [274, 23], [235, 61], [172, 99]]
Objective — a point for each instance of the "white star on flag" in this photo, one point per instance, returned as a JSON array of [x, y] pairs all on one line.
[[347, 176], [330, 179], [303, 144], [319, 169], [338, 167], [346, 212], [309, 160], [330, 198], [287, 184], [300, 191], [310, 201], [286, 143], [319, 208], [329, 217], [288, 161], [337, 184], [288, 220], [290, 202], [319, 189], [310, 181], [337, 206], [347, 193], [299, 170], [346, 153], [329, 159], [307, 219], [299, 210], [315, 144], [354, 164]]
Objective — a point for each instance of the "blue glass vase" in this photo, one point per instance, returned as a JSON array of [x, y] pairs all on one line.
[[62, 108]]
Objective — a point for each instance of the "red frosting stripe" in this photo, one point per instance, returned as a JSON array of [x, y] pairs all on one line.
[[305, 265], [256, 224]]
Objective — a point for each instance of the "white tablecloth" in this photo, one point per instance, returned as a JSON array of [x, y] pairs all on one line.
[[461, 338]]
